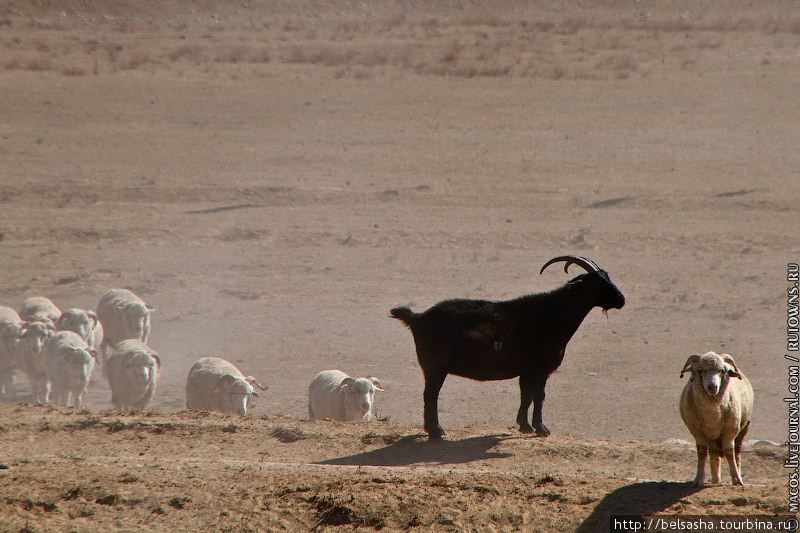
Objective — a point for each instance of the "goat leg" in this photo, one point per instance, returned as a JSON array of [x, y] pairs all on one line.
[[430, 396], [525, 400], [532, 390]]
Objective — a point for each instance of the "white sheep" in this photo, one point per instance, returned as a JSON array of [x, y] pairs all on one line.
[[9, 337], [215, 384], [132, 373], [68, 363], [21, 347], [123, 316], [39, 309], [83, 322], [716, 409], [335, 395]]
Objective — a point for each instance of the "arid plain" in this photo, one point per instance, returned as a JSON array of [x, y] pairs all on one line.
[[273, 177]]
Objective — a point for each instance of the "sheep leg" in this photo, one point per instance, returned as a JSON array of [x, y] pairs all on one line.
[[730, 456], [702, 455], [433, 384], [713, 460]]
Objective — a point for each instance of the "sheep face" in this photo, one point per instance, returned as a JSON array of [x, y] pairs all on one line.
[[360, 394], [78, 321], [712, 372], [236, 393], [138, 315], [79, 364], [143, 367], [36, 334]]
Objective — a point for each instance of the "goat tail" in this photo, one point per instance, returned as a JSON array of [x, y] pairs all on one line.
[[404, 314]]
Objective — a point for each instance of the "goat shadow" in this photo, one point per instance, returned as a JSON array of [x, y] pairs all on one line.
[[640, 499], [417, 449]]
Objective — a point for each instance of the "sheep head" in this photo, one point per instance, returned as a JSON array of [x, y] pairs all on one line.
[[360, 393], [78, 321], [37, 334], [712, 370], [608, 296], [236, 393], [143, 366], [79, 363]]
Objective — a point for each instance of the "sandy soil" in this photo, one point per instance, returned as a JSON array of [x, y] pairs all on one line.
[[273, 177]]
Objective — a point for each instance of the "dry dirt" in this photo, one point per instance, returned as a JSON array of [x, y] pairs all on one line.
[[274, 176]]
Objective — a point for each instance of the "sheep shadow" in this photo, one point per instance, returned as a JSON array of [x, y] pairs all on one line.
[[417, 449], [637, 499]]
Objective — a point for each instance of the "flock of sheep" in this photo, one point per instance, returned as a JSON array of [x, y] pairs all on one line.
[[58, 351], [484, 340]]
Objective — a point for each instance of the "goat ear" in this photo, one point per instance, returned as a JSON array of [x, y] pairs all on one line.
[[93, 352], [256, 394], [93, 317], [689, 364], [255, 383], [150, 307], [157, 359], [346, 382], [377, 383], [734, 373]]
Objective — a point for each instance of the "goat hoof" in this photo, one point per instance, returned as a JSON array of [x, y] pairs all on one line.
[[435, 433], [542, 431], [526, 428]]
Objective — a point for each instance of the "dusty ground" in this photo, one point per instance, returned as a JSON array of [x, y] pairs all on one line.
[[273, 177]]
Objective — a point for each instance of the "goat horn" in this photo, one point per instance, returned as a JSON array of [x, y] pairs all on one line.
[[687, 366], [586, 264]]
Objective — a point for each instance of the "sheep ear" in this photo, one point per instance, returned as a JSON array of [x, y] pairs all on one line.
[[93, 352], [256, 394], [254, 382], [734, 373], [49, 325], [690, 362], [92, 316], [224, 382], [377, 383], [149, 307], [346, 382], [61, 320], [23, 330], [157, 359]]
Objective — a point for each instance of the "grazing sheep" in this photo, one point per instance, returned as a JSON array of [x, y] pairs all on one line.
[[133, 371], [84, 323], [39, 309], [68, 363], [123, 316], [215, 384], [492, 340], [335, 395], [21, 346], [716, 409]]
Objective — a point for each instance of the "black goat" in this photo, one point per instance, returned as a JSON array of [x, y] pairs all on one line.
[[487, 340]]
